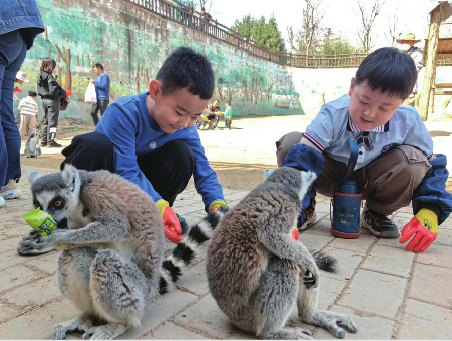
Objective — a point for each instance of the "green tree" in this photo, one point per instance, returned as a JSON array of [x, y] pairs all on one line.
[[332, 45], [262, 32]]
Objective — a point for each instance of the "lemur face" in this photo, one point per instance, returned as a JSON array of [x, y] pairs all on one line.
[[57, 194]]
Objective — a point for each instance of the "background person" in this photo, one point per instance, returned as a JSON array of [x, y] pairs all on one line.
[[228, 115], [28, 109], [50, 92], [20, 78], [406, 45], [20, 22], [102, 86]]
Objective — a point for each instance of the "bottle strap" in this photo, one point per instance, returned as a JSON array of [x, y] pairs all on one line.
[[354, 149]]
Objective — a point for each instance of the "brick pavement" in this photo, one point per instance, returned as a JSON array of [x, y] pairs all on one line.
[[391, 293]]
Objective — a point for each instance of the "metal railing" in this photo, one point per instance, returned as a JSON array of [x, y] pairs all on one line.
[[175, 11]]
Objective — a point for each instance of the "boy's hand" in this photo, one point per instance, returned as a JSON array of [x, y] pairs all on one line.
[[424, 228], [216, 205], [170, 222]]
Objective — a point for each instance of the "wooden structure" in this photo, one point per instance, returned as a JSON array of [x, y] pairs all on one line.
[[441, 12]]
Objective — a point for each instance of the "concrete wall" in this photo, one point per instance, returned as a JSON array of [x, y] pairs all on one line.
[[132, 44]]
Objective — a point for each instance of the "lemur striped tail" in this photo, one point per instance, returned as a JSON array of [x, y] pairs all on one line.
[[324, 261], [186, 250]]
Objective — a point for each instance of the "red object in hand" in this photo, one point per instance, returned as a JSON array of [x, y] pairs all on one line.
[[68, 93], [17, 89], [172, 225]]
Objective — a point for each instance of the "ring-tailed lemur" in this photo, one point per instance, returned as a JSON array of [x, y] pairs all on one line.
[[110, 265], [254, 267]]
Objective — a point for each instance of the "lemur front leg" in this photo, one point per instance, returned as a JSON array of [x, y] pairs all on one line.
[[285, 247], [307, 311], [105, 229]]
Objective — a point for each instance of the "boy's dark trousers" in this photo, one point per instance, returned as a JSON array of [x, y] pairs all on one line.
[[393, 176], [101, 105], [169, 168]]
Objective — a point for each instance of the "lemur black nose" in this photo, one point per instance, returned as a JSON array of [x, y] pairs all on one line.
[[62, 224]]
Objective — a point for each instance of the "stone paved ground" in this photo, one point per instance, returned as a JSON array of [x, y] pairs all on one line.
[[391, 293]]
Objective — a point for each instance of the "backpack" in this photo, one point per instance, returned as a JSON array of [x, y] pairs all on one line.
[[64, 101], [32, 147]]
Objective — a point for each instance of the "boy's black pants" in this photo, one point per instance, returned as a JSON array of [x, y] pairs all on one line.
[[169, 168]]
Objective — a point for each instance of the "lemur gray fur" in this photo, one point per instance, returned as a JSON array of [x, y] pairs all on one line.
[[110, 265], [254, 267]]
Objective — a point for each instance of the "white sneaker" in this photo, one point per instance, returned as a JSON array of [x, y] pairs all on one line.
[[10, 191], [2, 201]]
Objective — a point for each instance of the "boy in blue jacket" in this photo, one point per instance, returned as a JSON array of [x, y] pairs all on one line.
[[151, 139], [395, 159]]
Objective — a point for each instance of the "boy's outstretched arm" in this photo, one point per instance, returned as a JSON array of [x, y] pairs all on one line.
[[432, 205], [305, 156]]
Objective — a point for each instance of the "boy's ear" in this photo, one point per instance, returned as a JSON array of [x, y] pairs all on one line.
[[352, 84], [155, 89]]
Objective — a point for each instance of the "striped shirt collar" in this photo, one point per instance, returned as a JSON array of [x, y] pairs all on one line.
[[352, 126]]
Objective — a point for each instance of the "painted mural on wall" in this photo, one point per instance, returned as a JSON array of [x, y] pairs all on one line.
[[132, 44]]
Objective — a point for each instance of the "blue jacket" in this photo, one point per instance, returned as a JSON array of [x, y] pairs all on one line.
[[102, 86], [21, 14], [132, 130]]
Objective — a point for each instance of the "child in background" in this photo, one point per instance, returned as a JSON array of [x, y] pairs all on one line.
[[228, 115], [28, 109]]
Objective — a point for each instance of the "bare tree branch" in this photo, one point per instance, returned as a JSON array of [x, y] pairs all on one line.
[[394, 30], [368, 21], [312, 17]]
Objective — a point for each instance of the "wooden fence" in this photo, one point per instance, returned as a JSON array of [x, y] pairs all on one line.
[[177, 12]]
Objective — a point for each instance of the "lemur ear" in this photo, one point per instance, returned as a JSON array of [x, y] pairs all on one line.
[[70, 177], [33, 176]]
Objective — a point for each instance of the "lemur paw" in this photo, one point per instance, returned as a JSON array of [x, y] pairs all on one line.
[[332, 321]]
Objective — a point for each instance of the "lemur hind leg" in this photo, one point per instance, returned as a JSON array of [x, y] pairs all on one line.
[[274, 300], [307, 311], [120, 292], [73, 281], [81, 323]]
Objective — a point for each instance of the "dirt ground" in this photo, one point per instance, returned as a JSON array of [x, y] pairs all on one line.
[[239, 156], [233, 176]]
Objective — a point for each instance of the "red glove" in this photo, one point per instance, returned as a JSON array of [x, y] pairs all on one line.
[[295, 234], [424, 228], [17, 89], [170, 222]]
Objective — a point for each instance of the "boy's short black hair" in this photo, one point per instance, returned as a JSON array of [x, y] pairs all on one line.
[[98, 66], [32, 93], [185, 68], [228, 102], [389, 71]]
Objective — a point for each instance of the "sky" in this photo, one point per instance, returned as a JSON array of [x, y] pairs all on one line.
[[340, 15]]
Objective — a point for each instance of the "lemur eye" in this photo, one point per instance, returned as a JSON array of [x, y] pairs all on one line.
[[57, 203]]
